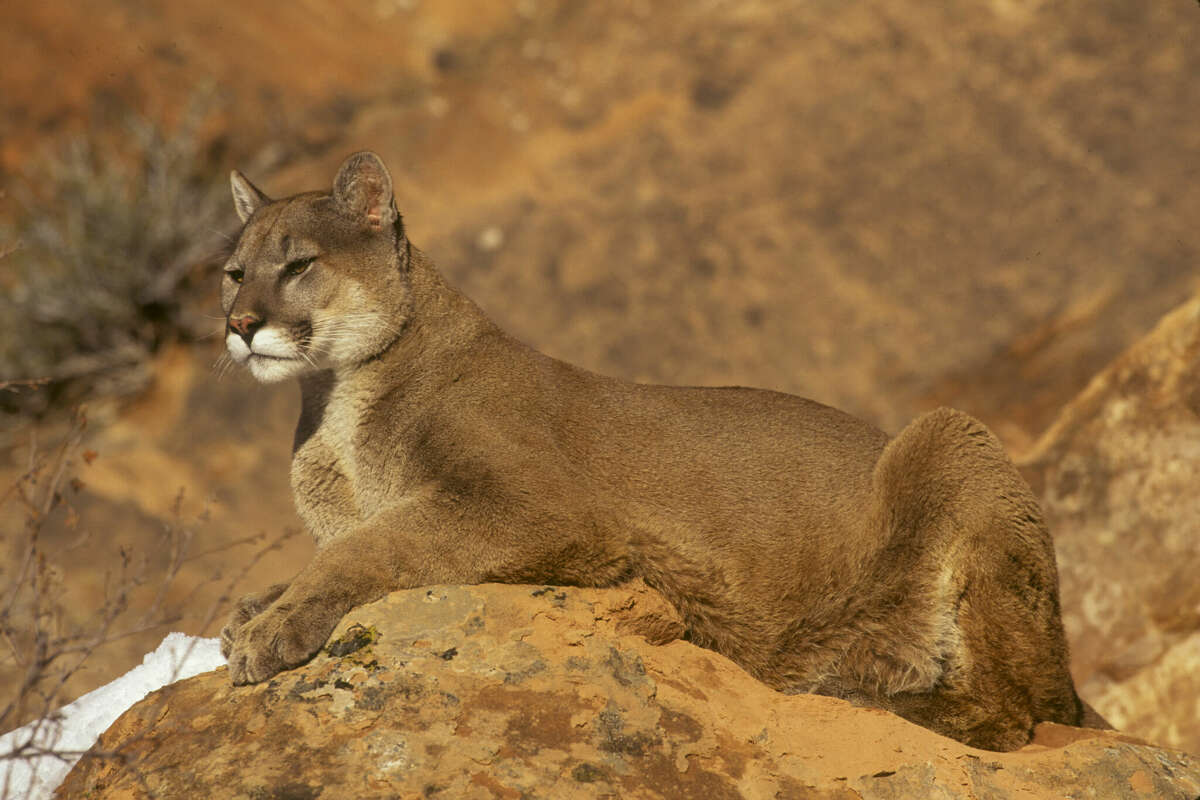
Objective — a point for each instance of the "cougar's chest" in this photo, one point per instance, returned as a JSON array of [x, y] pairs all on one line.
[[336, 480]]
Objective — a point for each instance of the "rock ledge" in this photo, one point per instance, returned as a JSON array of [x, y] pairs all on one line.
[[518, 691]]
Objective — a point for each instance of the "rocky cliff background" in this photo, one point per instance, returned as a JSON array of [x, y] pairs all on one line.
[[883, 207]]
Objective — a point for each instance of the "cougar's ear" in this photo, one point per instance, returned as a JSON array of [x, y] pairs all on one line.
[[363, 191], [246, 197]]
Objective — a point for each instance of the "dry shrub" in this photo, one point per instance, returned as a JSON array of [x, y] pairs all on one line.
[[110, 242]]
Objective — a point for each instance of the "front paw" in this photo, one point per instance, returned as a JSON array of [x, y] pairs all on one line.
[[277, 639], [246, 609]]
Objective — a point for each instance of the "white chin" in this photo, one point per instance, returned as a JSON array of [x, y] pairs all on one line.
[[272, 370]]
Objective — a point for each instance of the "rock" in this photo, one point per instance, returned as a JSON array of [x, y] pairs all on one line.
[[520, 691], [1119, 479]]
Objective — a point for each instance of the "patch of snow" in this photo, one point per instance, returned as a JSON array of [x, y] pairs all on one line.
[[76, 726]]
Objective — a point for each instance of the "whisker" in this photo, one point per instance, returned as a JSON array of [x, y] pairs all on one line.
[[360, 325], [222, 365]]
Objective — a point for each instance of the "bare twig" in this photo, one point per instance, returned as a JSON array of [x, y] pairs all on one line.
[[46, 646]]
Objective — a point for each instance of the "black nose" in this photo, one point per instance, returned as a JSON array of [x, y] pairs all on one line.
[[245, 325]]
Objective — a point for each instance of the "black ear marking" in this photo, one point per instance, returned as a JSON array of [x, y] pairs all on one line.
[[363, 191], [247, 198]]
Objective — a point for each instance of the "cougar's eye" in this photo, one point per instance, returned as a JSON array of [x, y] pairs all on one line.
[[299, 266], [236, 275]]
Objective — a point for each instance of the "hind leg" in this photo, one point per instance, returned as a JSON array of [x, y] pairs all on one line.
[[965, 716], [1001, 684], [997, 681], [949, 494]]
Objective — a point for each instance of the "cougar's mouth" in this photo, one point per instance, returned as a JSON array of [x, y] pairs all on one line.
[[268, 343], [272, 356], [269, 368]]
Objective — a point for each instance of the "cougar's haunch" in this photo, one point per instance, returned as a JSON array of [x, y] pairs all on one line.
[[913, 574]]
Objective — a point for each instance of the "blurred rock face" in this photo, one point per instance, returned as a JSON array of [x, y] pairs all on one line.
[[1119, 478], [518, 691], [881, 207]]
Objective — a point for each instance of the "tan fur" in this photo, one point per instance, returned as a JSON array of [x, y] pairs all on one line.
[[913, 574]]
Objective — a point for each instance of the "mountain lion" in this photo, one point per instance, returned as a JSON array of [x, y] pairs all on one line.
[[914, 574]]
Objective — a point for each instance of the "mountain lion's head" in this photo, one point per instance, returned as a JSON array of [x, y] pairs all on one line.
[[316, 281]]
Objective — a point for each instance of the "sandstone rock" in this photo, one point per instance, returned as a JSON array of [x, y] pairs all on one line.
[[1119, 478], [543, 692]]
